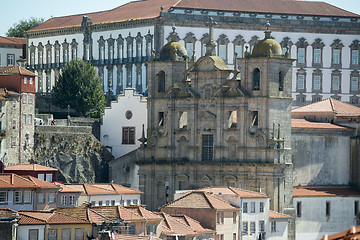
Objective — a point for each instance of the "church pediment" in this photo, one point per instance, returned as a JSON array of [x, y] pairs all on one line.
[[208, 63], [177, 92], [230, 91]]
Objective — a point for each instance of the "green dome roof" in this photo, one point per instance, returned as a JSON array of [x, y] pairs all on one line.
[[173, 51], [267, 47]]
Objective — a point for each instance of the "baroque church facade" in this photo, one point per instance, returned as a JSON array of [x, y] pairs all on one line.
[[322, 38], [208, 127]]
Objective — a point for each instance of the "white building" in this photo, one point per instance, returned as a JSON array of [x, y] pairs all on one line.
[[12, 51], [122, 123], [325, 210], [105, 194], [323, 38], [255, 218]]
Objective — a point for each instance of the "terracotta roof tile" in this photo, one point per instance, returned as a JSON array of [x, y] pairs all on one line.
[[15, 70], [122, 189], [302, 123], [151, 9], [102, 188], [7, 213], [200, 199], [324, 191], [12, 40], [67, 189], [221, 190], [36, 217], [352, 234], [276, 215], [29, 167], [329, 105], [174, 226], [194, 224], [41, 183], [134, 237], [11, 180], [4, 93]]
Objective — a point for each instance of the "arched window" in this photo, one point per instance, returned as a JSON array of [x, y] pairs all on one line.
[[281, 81], [161, 81], [256, 79]]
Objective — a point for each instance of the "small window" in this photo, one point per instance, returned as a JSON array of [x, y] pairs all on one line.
[[161, 119], [107, 202], [301, 55], [355, 57], [256, 79], [245, 230], [72, 200], [27, 196], [148, 229], [93, 203], [252, 228], [154, 227], [3, 197], [64, 200], [328, 209], [261, 226], [273, 226], [220, 218], [234, 217], [112, 202], [25, 80], [336, 56], [356, 208], [122, 202], [317, 82], [65, 234], [11, 60], [255, 118], [252, 207], [281, 81], [128, 202], [354, 84], [207, 147], [234, 236], [232, 119], [41, 176], [100, 203], [52, 197], [261, 207], [135, 201], [245, 207], [30, 119], [24, 98], [317, 55], [33, 234], [298, 209], [161, 81], [128, 135], [18, 197], [31, 80], [49, 177], [41, 198], [52, 234]]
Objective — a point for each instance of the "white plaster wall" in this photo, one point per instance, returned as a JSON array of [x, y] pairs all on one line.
[[314, 223], [320, 159], [117, 198], [281, 232], [5, 51], [23, 231], [228, 228], [114, 119]]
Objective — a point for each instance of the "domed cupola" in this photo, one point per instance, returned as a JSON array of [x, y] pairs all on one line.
[[268, 47], [173, 50]]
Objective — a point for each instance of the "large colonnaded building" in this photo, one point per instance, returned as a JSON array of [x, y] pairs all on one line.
[[323, 38]]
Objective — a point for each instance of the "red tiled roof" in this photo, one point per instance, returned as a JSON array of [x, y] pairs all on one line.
[[67, 189], [41, 183], [11, 180], [42, 217], [324, 191], [29, 167], [15, 70], [102, 189], [329, 105], [151, 9], [352, 234], [134, 237], [200, 199], [233, 191], [12, 40], [6, 213], [302, 123], [276, 215], [4, 93]]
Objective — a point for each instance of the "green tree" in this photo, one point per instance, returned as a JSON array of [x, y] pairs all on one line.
[[79, 86], [19, 29]]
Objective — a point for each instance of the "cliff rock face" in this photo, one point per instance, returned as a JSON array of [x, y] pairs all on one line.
[[74, 151]]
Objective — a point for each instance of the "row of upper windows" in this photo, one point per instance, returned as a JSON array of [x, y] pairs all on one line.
[[317, 82], [25, 197], [261, 227], [113, 202], [31, 80], [252, 207], [220, 217], [130, 49], [27, 98]]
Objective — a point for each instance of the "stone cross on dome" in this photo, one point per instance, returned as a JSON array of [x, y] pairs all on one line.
[[268, 31], [210, 46]]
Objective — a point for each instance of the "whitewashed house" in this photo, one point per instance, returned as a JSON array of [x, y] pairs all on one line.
[[12, 51], [325, 210], [122, 123]]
